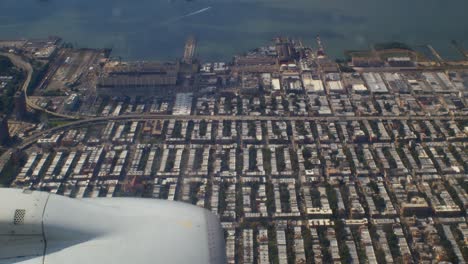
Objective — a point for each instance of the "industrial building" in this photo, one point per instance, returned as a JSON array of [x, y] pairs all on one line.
[[138, 79]]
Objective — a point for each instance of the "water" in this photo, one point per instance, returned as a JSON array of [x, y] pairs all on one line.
[[157, 29]]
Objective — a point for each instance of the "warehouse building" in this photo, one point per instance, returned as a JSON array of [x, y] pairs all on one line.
[[138, 79]]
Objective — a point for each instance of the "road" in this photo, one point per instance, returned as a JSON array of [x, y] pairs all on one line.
[[27, 67], [142, 117]]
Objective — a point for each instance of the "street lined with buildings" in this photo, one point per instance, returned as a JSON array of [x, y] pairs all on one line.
[[304, 160]]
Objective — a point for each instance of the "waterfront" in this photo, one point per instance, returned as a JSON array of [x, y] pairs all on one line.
[[158, 29]]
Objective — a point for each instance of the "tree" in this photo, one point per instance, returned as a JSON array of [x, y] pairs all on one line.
[[393, 243], [341, 237], [380, 256], [373, 185], [332, 198], [379, 203], [5, 64]]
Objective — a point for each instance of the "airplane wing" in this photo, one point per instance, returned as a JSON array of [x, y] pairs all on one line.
[[37, 227]]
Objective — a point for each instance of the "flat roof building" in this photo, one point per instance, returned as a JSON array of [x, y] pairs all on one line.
[[139, 78]]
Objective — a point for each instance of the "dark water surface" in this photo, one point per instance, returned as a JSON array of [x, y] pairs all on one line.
[[157, 29]]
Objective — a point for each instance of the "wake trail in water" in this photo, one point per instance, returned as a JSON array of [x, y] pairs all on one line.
[[187, 15]]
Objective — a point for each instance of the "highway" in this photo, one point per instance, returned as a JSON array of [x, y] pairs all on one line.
[[27, 67], [140, 117]]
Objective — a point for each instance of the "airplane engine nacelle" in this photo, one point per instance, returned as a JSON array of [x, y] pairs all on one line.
[[38, 227]]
